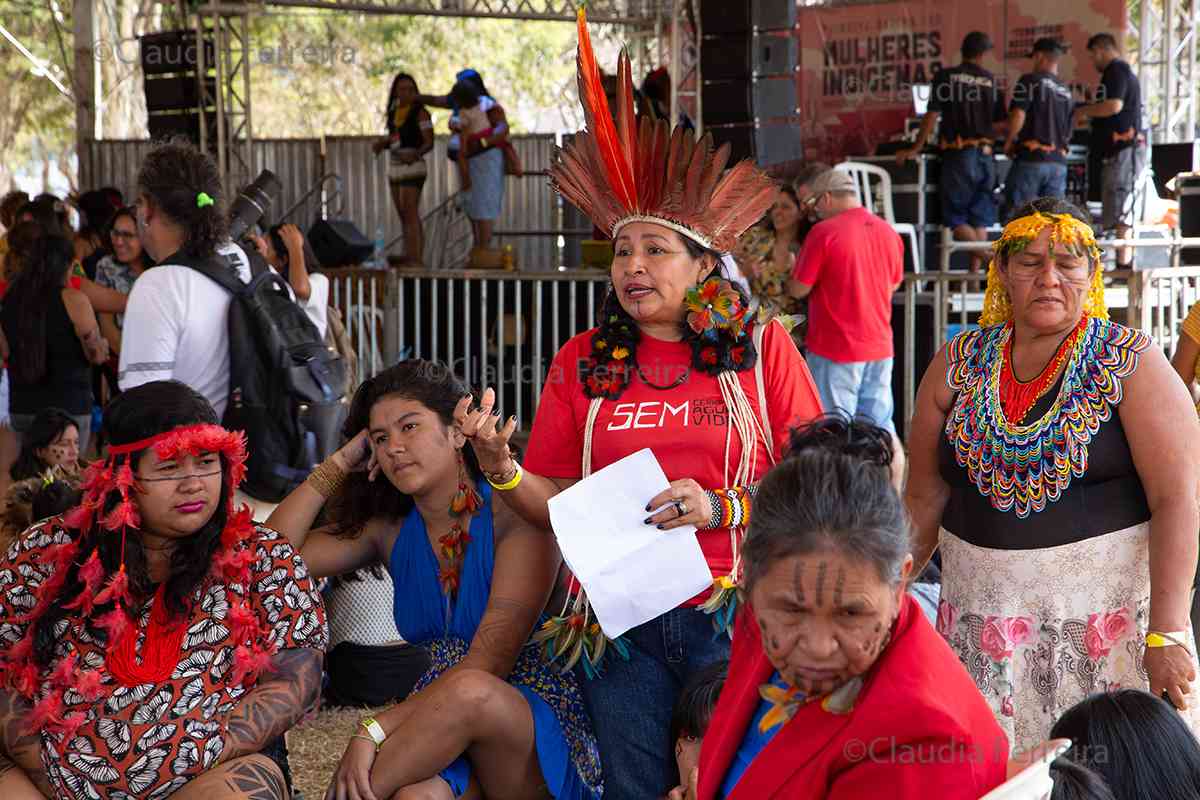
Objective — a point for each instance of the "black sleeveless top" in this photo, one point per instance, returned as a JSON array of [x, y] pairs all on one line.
[[410, 131], [67, 382], [1107, 497]]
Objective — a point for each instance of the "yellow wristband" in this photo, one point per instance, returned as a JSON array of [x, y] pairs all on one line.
[[1168, 639], [374, 730], [511, 483]]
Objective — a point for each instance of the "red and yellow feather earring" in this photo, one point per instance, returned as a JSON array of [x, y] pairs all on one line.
[[465, 503]]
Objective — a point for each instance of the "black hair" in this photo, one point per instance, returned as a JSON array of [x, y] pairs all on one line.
[[391, 101], [34, 290], [311, 264], [833, 491], [10, 204], [1102, 40], [476, 79], [98, 208], [135, 414], [1137, 742], [430, 383], [21, 239], [602, 374], [48, 424], [697, 702], [1047, 205], [172, 176], [54, 498], [465, 94], [45, 212], [1074, 781]]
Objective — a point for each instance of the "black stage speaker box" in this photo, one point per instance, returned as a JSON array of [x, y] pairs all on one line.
[[176, 93], [765, 144], [740, 57], [1187, 189], [730, 102], [182, 123], [1168, 160], [338, 243], [739, 16], [174, 51]]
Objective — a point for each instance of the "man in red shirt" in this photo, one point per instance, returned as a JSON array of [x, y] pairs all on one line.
[[851, 263]]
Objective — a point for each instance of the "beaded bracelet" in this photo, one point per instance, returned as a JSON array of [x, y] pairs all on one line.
[[731, 507]]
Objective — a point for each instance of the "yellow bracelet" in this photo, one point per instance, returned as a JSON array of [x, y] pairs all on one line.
[[510, 484], [1167, 639]]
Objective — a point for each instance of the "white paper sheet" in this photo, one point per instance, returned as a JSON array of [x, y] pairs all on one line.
[[632, 572]]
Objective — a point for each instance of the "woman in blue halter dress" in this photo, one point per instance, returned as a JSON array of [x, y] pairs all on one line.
[[471, 581]]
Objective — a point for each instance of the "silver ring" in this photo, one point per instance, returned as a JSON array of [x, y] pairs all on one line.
[[681, 507]]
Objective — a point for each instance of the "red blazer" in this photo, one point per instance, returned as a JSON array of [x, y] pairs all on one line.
[[929, 731]]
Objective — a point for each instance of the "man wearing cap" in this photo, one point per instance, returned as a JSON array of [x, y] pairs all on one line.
[[1117, 135], [1040, 125], [850, 265], [969, 103]]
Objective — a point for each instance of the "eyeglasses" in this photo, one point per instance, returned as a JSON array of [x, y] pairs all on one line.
[[180, 477], [124, 234]]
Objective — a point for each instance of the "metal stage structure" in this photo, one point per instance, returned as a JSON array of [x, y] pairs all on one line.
[[659, 32]]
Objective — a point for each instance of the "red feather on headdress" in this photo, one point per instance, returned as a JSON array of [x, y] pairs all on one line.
[[624, 169], [614, 157]]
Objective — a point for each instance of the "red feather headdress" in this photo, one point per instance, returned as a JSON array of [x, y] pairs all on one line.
[[618, 171]]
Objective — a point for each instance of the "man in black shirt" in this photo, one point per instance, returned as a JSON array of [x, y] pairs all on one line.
[[1040, 125], [969, 103], [1116, 135]]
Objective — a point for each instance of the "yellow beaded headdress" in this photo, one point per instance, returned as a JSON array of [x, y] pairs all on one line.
[[1066, 230]]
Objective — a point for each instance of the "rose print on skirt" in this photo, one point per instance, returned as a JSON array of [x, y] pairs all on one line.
[[1039, 630]]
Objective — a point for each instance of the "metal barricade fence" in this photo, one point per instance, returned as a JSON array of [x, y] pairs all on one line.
[[502, 329]]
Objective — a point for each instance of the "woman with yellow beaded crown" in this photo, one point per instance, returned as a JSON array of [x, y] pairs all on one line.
[[1053, 460]]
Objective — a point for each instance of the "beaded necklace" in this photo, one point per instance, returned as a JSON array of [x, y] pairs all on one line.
[[1023, 467], [1018, 397]]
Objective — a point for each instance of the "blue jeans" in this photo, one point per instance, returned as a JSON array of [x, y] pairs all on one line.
[[860, 388], [1029, 180], [631, 704], [968, 178]]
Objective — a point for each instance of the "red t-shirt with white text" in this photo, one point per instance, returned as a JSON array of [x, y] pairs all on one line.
[[853, 262], [684, 426]]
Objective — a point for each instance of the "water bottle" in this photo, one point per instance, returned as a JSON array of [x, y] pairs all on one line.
[[380, 259]]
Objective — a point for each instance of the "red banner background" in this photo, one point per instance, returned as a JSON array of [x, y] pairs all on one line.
[[858, 63]]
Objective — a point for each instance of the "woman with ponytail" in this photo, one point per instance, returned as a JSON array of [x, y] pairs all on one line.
[[677, 364], [155, 640]]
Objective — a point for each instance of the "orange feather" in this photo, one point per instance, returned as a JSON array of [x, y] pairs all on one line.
[[600, 121]]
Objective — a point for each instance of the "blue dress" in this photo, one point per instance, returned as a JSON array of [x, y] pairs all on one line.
[[567, 752]]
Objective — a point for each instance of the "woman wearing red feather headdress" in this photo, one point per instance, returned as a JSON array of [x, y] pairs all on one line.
[[676, 364], [155, 642]]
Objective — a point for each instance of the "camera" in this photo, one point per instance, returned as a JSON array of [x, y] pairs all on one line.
[[252, 203]]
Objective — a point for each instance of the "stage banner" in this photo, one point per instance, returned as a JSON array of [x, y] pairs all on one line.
[[858, 63]]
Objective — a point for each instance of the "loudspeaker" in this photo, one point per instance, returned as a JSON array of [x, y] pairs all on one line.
[[174, 51], [739, 16], [765, 144], [1168, 160], [729, 102], [338, 243], [187, 124], [739, 57], [1187, 189], [176, 93]]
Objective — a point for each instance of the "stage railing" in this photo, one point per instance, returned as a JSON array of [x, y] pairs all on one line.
[[502, 329]]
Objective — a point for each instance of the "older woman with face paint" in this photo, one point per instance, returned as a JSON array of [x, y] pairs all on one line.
[[838, 686], [1054, 461]]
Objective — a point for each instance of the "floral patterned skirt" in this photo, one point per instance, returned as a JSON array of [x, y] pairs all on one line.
[[1040, 630], [567, 751]]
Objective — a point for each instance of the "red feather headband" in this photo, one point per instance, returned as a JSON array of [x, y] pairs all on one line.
[[618, 171]]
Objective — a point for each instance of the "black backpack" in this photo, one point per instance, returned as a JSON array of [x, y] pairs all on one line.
[[287, 388]]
